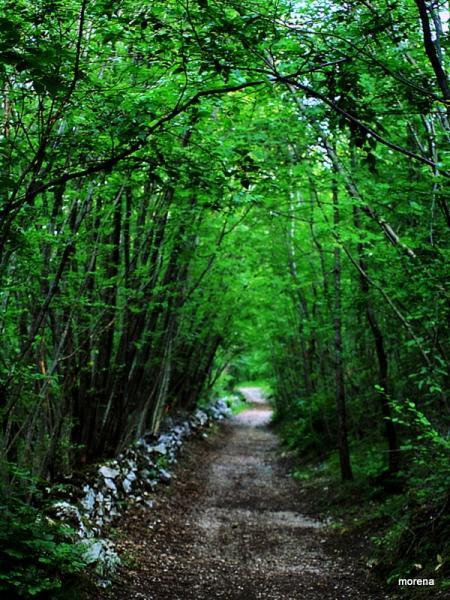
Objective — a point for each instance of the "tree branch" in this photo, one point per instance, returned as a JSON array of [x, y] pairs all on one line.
[[430, 50], [352, 119]]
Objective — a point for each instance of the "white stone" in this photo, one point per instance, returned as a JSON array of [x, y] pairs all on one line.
[[93, 551], [127, 485], [88, 501], [160, 448], [108, 473], [111, 485]]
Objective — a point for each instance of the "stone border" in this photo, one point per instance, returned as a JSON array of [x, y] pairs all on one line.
[[129, 479]]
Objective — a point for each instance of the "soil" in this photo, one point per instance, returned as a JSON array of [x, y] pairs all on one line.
[[235, 525]]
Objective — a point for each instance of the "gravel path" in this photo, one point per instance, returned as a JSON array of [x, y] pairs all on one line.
[[231, 526]]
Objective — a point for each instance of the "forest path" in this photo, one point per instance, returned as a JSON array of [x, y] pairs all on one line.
[[229, 527]]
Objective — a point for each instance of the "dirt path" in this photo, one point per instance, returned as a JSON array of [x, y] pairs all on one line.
[[231, 527]]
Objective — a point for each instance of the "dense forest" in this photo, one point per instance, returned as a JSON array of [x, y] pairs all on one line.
[[198, 192]]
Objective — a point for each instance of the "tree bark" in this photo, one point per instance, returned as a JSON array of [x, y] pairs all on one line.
[[341, 408], [383, 370]]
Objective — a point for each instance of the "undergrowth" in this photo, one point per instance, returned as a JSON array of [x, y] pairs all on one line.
[[37, 554], [237, 403], [409, 522]]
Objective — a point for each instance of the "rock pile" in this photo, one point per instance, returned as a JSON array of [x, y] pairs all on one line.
[[129, 479]]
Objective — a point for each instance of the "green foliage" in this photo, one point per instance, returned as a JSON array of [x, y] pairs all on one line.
[[418, 539], [236, 402], [37, 554], [412, 524], [367, 464]]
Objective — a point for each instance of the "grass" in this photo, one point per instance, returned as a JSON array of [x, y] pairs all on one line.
[[259, 383], [237, 403], [366, 464]]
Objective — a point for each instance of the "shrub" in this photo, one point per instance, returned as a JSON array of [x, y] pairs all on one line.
[[36, 553]]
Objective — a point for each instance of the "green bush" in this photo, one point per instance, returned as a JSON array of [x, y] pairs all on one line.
[[306, 426], [417, 542], [36, 553]]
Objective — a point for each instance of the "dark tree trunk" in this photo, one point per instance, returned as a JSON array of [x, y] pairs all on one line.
[[383, 369], [344, 453]]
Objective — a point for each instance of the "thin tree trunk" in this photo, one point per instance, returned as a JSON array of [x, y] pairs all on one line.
[[344, 453], [383, 371]]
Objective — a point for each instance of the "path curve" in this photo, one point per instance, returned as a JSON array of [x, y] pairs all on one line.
[[231, 527]]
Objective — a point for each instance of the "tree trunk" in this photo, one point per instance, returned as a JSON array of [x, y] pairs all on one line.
[[383, 375], [344, 454]]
